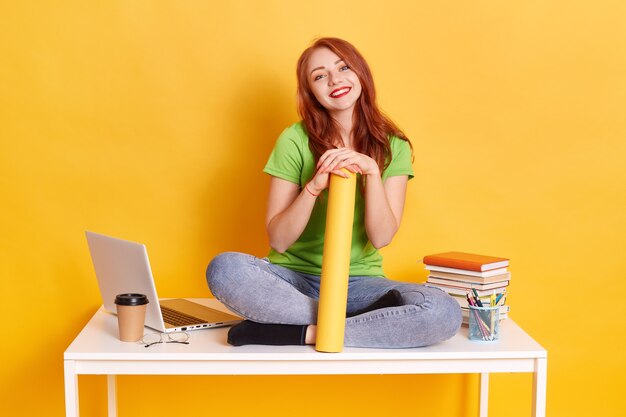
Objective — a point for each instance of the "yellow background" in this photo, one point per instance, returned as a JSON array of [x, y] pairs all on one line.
[[152, 121]]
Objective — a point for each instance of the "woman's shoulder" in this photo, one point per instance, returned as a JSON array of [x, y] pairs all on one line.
[[293, 139], [401, 158], [398, 145], [295, 132]]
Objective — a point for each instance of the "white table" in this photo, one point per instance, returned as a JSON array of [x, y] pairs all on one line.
[[97, 350]]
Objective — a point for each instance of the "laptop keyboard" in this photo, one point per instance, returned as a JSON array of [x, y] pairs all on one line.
[[177, 318]]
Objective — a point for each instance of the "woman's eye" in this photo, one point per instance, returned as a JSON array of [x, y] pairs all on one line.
[[318, 77], [344, 68]]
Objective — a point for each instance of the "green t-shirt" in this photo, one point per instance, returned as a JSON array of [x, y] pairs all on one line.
[[292, 160]]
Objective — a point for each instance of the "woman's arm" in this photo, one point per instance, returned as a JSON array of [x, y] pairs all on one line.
[[384, 205], [384, 202], [288, 212], [289, 207]]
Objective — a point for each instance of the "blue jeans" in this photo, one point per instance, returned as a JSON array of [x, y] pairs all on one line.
[[263, 292]]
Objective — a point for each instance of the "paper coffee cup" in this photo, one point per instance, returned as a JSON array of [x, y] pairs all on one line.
[[131, 315]]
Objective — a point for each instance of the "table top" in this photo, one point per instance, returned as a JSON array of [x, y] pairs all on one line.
[[99, 341]]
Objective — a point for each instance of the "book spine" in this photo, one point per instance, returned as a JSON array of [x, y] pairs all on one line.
[[453, 263], [465, 284], [483, 274], [469, 278], [462, 290]]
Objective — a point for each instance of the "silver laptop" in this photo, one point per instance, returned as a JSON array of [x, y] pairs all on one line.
[[123, 267]]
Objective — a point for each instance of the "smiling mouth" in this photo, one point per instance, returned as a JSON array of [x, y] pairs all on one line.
[[340, 92]]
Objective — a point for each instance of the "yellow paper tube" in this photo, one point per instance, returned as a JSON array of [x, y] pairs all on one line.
[[331, 315]]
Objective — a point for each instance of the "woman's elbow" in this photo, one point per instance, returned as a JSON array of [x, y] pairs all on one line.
[[382, 238], [278, 248], [277, 245], [380, 243]]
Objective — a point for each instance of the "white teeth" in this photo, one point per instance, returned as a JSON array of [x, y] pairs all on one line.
[[339, 92]]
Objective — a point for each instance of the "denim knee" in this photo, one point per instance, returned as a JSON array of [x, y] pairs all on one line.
[[221, 270], [449, 312]]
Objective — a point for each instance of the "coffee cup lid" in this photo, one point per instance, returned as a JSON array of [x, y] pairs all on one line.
[[131, 299]]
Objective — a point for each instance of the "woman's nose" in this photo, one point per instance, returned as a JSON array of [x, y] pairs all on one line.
[[334, 78]]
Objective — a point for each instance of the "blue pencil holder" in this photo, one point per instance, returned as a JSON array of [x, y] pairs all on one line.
[[484, 323]]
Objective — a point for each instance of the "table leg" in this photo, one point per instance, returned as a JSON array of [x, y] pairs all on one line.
[[483, 404], [71, 389], [112, 395], [539, 387]]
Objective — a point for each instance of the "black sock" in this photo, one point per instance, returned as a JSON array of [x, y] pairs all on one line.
[[392, 298], [251, 333]]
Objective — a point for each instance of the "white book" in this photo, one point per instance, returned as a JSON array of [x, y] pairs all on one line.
[[483, 274], [444, 283]]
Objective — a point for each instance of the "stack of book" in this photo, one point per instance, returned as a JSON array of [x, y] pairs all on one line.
[[457, 273]]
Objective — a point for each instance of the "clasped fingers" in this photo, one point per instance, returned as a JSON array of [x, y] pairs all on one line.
[[336, 159]]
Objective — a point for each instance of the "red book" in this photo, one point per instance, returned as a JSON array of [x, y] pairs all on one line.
[[466, 261]]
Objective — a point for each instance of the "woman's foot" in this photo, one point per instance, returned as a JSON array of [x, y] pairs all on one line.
[[251, 333]]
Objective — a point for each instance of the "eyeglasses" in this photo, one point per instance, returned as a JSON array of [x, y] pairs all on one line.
[[174, 337]]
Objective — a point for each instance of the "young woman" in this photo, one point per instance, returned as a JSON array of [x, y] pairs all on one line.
[[341, 127]]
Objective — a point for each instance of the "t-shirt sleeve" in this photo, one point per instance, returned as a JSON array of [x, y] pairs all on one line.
[[401, 161], [286, 159]]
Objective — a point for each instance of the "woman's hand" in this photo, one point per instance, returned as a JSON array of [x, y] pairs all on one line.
[[333, 160], [336, 159]]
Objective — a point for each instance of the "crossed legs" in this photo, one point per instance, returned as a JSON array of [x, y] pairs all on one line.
[[265, 293]]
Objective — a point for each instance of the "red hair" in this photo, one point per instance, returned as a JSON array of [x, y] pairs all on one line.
[[371, 128]]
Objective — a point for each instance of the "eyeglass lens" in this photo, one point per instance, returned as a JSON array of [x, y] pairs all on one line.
[[175, 337]]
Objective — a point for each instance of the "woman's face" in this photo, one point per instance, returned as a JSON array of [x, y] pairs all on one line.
[[333, 83]]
